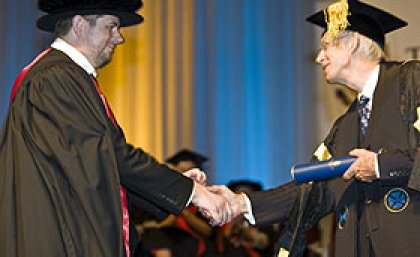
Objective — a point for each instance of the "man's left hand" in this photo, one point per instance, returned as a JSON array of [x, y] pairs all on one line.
[[197, 175], [363, 168]]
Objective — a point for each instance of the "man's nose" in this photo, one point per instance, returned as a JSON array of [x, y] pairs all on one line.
[[320, 57], [119, 39]]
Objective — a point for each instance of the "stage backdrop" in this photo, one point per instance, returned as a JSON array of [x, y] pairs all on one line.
[[233, 80], [229, 79], [20, 42]]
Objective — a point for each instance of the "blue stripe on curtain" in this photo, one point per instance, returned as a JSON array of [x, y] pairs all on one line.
[[246, 88]]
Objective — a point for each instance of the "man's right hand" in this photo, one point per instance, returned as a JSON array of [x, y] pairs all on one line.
[[213, 206], [237, 201]]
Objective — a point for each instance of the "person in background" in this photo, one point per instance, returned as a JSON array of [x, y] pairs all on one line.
[[183, 235], [185, 160], [237, 238], [68, 177], [377, 200]]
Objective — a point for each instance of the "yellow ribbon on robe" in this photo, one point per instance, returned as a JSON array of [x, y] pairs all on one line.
[[283, 253], [417, 123], [322, 153]]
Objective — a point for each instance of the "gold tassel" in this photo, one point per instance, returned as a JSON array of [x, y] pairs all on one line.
[[336, 18]]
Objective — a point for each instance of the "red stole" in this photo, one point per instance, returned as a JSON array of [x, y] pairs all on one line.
[[124, 203]]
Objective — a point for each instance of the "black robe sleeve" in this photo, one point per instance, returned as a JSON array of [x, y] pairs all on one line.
[[312, 202], [410, 104], [274, 205]]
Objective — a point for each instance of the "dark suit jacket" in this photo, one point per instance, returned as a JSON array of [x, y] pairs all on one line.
[[62, 162]]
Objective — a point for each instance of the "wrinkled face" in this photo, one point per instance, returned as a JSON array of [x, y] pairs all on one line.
[[333, 57], [102, 38]]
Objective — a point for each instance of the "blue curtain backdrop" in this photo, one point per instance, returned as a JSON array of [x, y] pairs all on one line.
[[20, 42], [253, 86]]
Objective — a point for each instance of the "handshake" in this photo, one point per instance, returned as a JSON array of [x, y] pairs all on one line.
[[217, 203]]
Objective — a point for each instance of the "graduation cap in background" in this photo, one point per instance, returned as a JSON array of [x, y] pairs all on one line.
[[125, 10], [187, 155], [236, 185], [357, 16]]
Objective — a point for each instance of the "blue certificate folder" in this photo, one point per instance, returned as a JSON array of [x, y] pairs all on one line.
[[316, 171]]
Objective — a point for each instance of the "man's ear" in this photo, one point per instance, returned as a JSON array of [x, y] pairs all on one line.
[[78, 25], [354, 42]]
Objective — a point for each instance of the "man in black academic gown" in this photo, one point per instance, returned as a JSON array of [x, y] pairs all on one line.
[[377, 201], [67, 175]]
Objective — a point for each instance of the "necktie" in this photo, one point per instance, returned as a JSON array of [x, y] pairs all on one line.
[[124, 203], [364, 114]]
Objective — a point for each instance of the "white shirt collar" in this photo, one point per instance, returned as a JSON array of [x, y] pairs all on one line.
[[75, 55], [370, 85]]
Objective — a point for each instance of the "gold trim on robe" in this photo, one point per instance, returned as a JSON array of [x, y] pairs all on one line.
[[322, 153], [283, 253], [417, 123]]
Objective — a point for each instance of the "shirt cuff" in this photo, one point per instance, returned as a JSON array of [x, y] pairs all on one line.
[[192, 194], [377, 171], [249, 215]]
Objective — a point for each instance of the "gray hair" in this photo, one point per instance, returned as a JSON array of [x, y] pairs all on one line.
[[367, 49]]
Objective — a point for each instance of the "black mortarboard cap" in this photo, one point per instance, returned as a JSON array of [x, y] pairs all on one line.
[[235, 184], [187, 155], [365, 19], [125, 10]]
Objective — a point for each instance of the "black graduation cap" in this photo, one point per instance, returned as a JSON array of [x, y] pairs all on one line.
[[236, 184], [125, 10], [368, 20], [187, 155]]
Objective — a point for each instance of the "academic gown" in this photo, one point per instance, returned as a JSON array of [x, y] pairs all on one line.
[[62, 161], [366, 224]]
